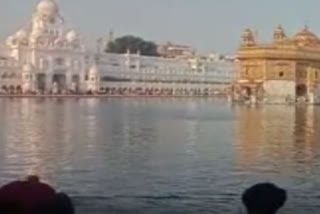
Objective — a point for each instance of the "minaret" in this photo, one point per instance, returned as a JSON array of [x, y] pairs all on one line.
[[27, 78], [93, 82], [279, 34], [109, 39], [99, 44], [111, 36], [248, 39]]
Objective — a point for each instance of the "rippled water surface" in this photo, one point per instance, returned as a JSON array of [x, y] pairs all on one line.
[[162, 155]]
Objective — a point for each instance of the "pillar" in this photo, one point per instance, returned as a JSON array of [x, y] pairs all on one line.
[[48, 82]]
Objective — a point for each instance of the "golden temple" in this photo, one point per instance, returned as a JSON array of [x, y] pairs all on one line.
[[287, 70]]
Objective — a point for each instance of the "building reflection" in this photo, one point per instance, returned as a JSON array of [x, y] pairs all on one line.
[[24, 124], [306, 135], [31, 136], [280, 137]]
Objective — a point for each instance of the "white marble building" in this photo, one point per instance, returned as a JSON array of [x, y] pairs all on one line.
[[46, 56]]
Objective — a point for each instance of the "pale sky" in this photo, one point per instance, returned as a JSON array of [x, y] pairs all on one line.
[[208, 25]]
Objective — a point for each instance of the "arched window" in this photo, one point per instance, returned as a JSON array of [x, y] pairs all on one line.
[[59, 61], [4, 75], [44, 64], [13, 75], [245, 72], [76, 64]]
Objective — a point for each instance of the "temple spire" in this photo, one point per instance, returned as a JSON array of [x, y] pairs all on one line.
[[279, 34]]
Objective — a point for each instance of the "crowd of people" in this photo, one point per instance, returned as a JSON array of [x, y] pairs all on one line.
[[31, 196], [118, 91]]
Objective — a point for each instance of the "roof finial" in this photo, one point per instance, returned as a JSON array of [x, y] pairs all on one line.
[[306, 25]]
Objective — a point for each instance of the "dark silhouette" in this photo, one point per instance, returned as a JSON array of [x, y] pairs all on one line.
[[63, 204], [33, 197], [264, 198]]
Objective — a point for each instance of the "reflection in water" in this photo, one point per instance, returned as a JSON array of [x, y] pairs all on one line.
[[280, 144], [264, 132], [285, 134], [161, 155]]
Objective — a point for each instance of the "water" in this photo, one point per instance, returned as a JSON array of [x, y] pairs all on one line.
[[162, 155]]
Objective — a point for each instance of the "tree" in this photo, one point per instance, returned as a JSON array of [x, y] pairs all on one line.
[[135, 44]]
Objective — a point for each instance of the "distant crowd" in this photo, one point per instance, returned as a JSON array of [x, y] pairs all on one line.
[[31, 196]]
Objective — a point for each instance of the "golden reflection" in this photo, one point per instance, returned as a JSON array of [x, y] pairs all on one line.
[[276, 136]]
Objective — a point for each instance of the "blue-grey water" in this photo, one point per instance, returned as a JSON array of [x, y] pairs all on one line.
[[162, 155]]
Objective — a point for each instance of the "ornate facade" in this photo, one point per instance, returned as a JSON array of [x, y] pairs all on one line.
[[285, 70], [47, 57]]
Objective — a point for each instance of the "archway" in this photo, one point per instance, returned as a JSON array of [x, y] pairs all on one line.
[[301, 90], [248, 91], [59, 81], [75, 83], [11, 89], [4, 89], [19, 89], [41, 82]]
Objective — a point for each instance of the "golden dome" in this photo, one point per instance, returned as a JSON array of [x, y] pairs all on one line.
[[306, 36]]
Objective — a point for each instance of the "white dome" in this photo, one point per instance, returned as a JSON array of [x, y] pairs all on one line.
[[71, 36], [10, 40], [48, 8], [21, 35]]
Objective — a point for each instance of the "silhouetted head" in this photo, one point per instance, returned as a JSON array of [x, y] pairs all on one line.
[[264, 198], [27, 197]]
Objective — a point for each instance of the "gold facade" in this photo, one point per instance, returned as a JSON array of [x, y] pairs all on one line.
[[289, 65]]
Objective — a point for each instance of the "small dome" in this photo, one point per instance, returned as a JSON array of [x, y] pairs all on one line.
[[71, 36], [247, 33], [279, 30], [279, 34], [21, 35], [248, 38], [48, 8], [306, 36], [10, 40]]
